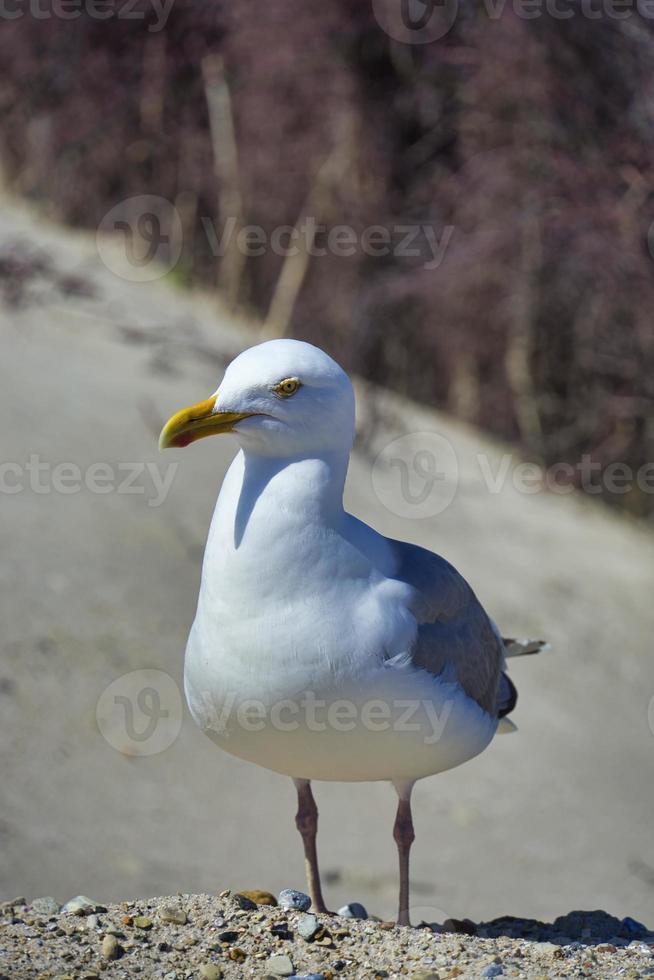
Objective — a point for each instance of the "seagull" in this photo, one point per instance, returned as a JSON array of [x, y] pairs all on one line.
[[321, 649]]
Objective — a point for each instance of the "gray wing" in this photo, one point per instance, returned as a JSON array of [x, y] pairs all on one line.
[[454, 633]]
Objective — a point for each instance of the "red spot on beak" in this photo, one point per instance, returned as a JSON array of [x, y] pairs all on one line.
[[183, 439]]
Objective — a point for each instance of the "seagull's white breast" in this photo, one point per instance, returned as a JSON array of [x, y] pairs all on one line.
[[298, 656]]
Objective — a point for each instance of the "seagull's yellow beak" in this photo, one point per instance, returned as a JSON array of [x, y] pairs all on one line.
[[198, 421]]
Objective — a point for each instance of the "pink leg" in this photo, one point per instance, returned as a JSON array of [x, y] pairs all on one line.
[[306, 821], [404, 837]]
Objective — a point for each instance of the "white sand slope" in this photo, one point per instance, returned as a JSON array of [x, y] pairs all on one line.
[[94, 585]]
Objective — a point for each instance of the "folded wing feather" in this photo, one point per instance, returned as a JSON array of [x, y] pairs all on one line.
[[455, 635]]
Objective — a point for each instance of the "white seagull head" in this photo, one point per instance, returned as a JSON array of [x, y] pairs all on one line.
[[282, 398]]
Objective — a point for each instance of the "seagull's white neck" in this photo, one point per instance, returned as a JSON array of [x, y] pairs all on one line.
[[265, 497], [309, 484]]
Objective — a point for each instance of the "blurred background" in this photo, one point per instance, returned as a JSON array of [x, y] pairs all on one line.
[[531, 137], [456, 203]]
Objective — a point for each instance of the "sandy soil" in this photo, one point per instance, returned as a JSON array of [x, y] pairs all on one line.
[[96, 585], [207, 937]]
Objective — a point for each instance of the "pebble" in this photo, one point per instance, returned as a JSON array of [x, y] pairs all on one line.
[[142, 922], [244, 903], [280, 966], [493, 970], [355, 910], [80, 905], [308, 926], [16, 902], [210, 971], [547, 948], [289, 898], [173, 913], [45, 906], [258, 896], [308, 976], [111, 948]]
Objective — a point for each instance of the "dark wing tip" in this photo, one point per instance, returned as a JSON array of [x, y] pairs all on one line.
[[507, 696]]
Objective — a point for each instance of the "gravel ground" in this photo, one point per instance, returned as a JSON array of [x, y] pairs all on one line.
[[248, 934]]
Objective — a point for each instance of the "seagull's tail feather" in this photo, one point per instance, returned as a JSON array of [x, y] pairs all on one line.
[[521, 648]]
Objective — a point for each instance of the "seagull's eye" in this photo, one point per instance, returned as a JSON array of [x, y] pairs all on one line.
[[287, 387]]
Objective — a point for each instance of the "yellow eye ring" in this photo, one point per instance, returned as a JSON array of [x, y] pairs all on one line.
[[287, 387]]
